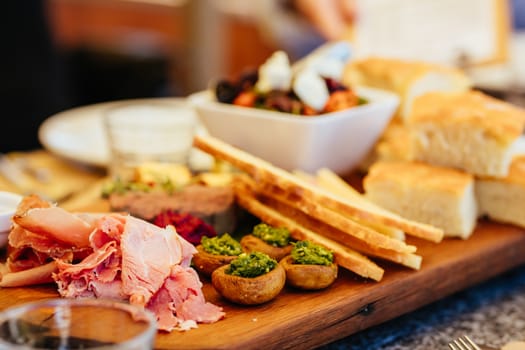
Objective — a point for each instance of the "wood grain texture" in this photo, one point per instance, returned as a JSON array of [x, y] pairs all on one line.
[[297, 319]]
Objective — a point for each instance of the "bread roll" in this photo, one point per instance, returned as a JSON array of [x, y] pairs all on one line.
[[503, 200], [441, 197], [408, 79], [470, 131]]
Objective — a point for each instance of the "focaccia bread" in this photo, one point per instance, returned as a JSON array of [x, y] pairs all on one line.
[[408, 79], [470, 131], [503, 199], [395, 143], [437, 196]]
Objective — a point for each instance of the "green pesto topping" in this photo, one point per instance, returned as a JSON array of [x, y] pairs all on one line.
[[308, 253], [276, 236], [251, 265], [221, 245], [120, 187]]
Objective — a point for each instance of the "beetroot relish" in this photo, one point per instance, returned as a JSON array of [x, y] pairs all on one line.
[[188, 226]]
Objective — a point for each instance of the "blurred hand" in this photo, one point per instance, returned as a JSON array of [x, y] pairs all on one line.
[[331, 17]]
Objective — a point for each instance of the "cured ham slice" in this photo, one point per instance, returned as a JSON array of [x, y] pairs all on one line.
[[148, 255], [153, 271], [180, 304], [113, 256], [36, 275], [31, 201], [19, 238], [72, 229], [38, 238], [87, 278]]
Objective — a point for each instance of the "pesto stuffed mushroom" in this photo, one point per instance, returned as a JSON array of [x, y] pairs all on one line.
[[309, 266], [273, 241], [251, 279], [215, 252]]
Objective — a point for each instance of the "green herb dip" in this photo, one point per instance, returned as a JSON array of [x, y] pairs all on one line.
[[120, 187], [308, 253], [276, 236], [221, 245], [251, 265]]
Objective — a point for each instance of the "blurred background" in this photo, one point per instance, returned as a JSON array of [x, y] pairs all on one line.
[[59, 54]]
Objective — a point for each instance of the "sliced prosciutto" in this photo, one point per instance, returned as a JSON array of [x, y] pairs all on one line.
[[148, 255], [57, 224], [38, 238], [98, 275], [113, 256], [180, 302], [153, 271]]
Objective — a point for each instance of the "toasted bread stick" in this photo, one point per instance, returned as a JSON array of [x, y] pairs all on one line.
[[262, 170], [368, 248], [345, 225], [344, 256], [330, 181]]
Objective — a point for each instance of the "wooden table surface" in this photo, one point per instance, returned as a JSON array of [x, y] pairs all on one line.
[[297, 319]]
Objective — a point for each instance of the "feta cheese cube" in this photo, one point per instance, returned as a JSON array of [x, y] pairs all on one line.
[[275, 73], [311, 89]]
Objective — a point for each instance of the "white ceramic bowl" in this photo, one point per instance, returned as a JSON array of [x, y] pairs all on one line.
[[338, 141], [8, 203]]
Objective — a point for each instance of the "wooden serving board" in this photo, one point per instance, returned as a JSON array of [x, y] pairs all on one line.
[[298, 319]]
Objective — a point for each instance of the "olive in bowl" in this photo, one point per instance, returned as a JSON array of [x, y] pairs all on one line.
[[251, 279], [214, 252], [309, 266], [273, 241]]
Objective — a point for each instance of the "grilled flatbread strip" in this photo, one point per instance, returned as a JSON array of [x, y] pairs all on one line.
[[345, 225], [374, 244], [344, 256], [261, 170], [330, 181], [245, 186], [410, 260]]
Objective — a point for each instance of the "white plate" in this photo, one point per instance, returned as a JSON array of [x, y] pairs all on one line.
[[78, 134]]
